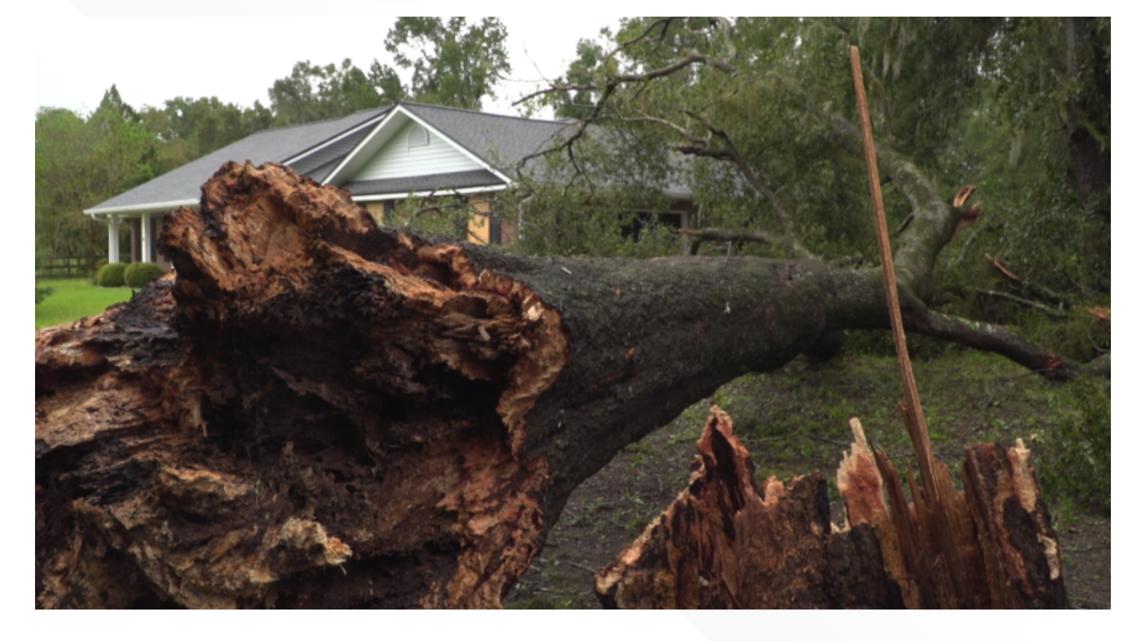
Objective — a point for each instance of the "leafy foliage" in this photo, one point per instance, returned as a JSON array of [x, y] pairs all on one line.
[[1076, 453], [111, 275], [457, 63], [438, 217], [80, 162], [137, 275], [314, 92], [1018, 107]]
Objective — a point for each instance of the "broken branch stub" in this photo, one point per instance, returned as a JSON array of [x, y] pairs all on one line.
[[728, 542]]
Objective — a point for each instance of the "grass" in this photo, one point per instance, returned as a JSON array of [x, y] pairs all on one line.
[[73, 298]]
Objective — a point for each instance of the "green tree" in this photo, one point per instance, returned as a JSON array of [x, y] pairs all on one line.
[[188, 128], [746, 105], [313, 92], [80, 162], [453, 63]]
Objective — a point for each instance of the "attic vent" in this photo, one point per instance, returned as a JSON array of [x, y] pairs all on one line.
[[417, 137]]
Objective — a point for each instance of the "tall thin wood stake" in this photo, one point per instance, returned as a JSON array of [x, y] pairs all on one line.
[[916, 424]]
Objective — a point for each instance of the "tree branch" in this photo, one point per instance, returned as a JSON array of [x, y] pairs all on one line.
[[1033, 288], [1051, 311], [998, 339], [611, 83]]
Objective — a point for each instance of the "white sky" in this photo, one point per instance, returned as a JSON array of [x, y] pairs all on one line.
[[182, 51]]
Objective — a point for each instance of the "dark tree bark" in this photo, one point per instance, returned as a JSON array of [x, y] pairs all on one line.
[[319, 412]]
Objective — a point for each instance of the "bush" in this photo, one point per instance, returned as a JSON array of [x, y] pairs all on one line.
[[137, 275], [95, 272], [1075, 456], [110, 275], [42, 293]]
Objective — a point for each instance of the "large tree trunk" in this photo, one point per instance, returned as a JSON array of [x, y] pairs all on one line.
[[319, 412]]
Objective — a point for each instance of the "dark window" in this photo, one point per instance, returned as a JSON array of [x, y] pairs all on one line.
[[643, 219]]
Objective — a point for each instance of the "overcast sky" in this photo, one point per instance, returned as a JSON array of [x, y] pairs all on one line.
[[235, 52]]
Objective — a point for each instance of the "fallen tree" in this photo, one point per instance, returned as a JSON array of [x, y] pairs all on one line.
[[317, 411]]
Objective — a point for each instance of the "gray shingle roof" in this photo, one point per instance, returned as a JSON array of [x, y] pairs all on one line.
[[501, 141], [276, 145]]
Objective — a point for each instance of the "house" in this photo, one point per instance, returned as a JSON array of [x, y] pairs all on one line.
[[381, 156]]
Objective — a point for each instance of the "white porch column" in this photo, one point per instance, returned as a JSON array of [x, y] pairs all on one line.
[[112, 239], [146, 257]]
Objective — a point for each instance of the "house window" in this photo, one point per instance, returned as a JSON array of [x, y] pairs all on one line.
[[417, 137], [645, 219]]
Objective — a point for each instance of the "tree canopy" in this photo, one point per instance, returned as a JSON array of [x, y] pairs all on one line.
[[1017, 106]]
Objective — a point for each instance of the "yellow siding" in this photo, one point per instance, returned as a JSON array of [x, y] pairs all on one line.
[[377, 210], [479, 224]]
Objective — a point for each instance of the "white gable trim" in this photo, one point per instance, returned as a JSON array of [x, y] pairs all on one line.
[[143, 208], [466, 152], [429, 192], [337, 175]]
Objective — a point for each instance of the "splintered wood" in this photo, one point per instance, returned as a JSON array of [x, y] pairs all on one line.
[[728, 542]]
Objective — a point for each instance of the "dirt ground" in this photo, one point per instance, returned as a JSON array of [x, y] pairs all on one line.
[[795, 420]]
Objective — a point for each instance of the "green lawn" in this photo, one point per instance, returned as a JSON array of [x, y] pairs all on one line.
[[74, 298]]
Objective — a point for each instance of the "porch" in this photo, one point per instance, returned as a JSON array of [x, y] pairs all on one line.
[[139, 231]]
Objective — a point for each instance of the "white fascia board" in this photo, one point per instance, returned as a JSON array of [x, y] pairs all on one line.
[[429, 192], [334, 174], [366, 123], [466, 152], [141, 209]]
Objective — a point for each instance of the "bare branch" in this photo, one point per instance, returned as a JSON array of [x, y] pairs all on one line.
[[728, 151], [665, 22], [1055, 313], [611, 84], [1034, 288]]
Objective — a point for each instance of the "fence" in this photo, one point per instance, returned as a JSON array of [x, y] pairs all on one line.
[[67, 266]]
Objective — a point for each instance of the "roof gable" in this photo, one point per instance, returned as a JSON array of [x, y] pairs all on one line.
[[390, 128], [413, 151]]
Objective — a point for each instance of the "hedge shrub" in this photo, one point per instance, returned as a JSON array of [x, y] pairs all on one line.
[[137, 275], [99, 264], [110, 275]]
